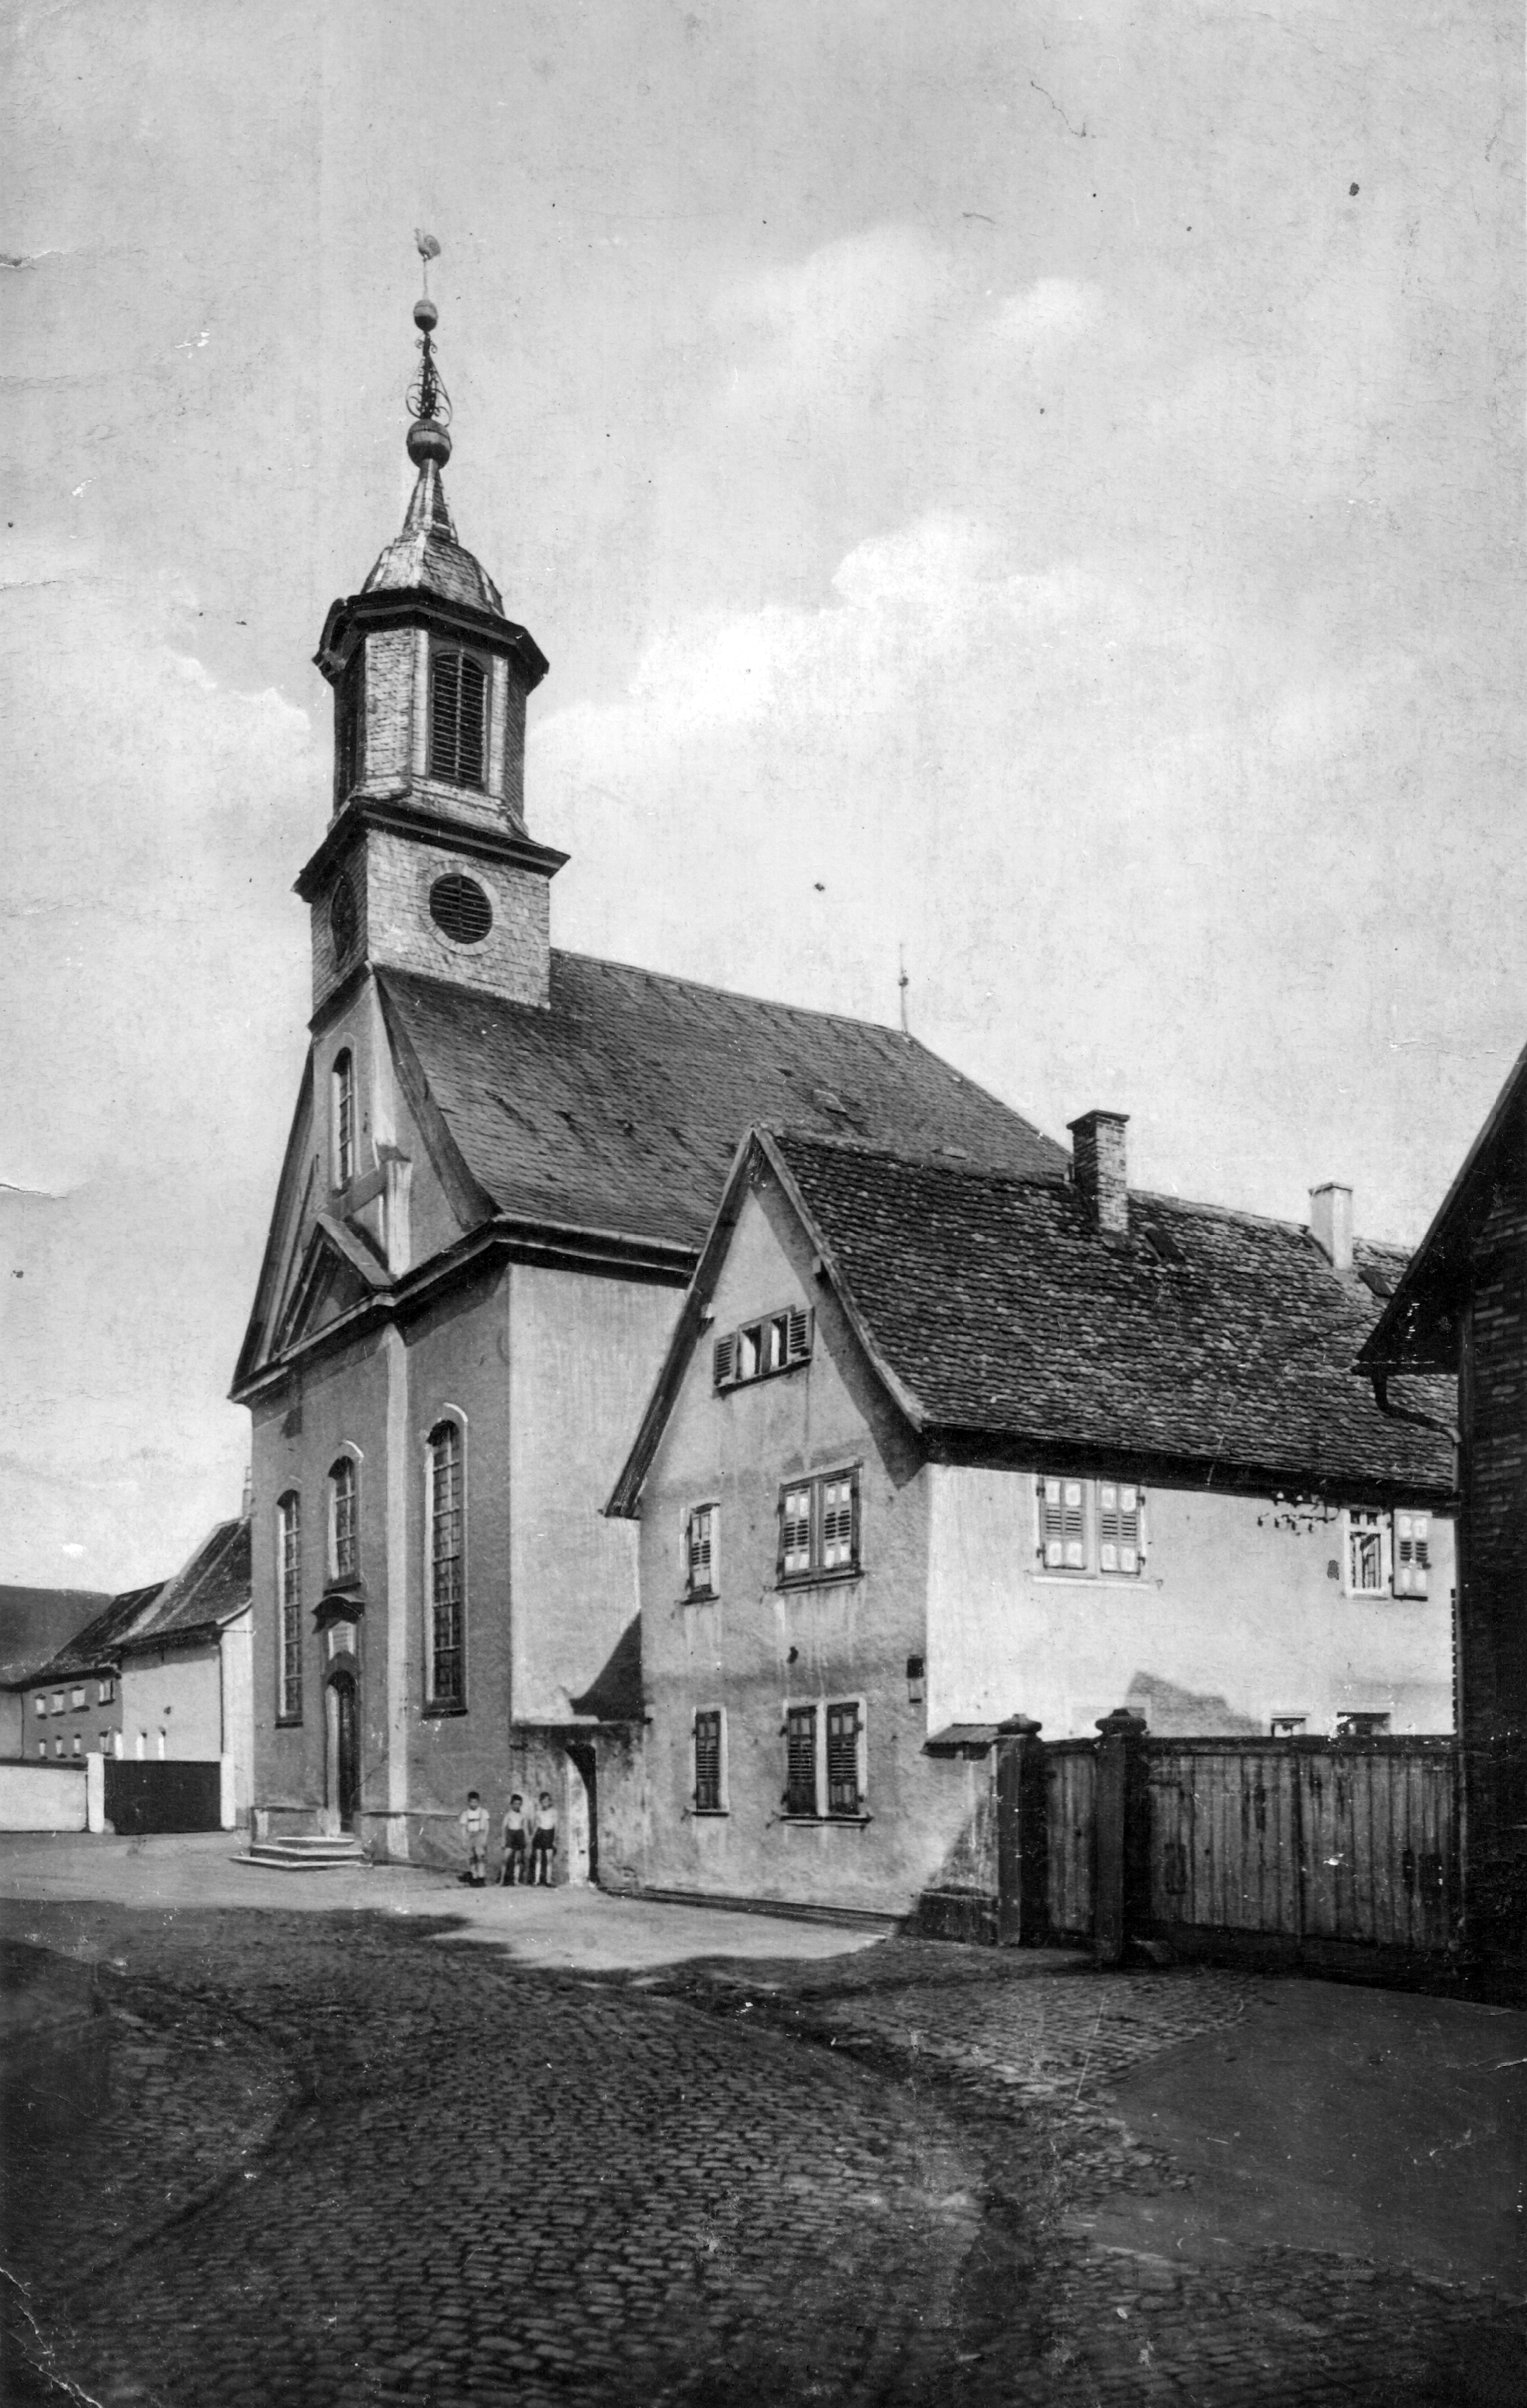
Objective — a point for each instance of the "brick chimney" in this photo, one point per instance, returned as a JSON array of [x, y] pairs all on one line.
[[1331, 1224], [1100, 1170]]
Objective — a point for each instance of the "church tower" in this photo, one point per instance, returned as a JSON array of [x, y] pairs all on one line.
[[427, 865]]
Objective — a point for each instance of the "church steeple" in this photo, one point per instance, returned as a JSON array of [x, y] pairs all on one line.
[[430, 683]]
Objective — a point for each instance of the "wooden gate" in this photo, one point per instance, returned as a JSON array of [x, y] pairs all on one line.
[[1300, 1847]]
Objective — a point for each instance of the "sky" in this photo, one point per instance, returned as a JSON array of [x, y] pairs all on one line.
[[1033, 489]]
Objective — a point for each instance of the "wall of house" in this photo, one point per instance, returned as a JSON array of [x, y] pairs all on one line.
[[584, 1354], [1236, 1618], [172, 1703], [11, 1731], [236, 1648], [759, 1648], [85, 1724]]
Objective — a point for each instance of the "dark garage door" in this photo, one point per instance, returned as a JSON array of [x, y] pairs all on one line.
[[162, 1797]]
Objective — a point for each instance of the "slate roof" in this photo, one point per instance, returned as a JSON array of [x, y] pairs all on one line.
[[621, 1107], [426, 557], [206, 1593], [34, 1622], [94, 1648], [1210, 1337]]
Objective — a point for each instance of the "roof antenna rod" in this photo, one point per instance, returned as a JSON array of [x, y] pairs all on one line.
[[903, 983]]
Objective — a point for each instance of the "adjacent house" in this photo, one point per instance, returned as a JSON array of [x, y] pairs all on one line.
[[1459, 1310], [503, 1164], [34, 1622], [937, 1442], [186, 1686], [71, 1706]]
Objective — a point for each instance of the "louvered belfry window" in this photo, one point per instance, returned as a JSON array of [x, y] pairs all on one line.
[[843, 1791], [458, 717], [801, 1760], [289, 1608], [448, 1591], [708, 1760]]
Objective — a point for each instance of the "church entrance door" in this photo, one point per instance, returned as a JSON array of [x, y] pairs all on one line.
[[582, 1815], [344, 1782]]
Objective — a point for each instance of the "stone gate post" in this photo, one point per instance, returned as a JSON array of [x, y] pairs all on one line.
[[1021, 1916], [1119, 1831]]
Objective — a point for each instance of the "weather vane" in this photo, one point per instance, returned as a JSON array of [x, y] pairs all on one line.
[[903, 983], [427, 396]]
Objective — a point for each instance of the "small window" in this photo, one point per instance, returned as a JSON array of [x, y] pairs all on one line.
[[342, 1088], [800, 1760], [458, 717], [39, 1705], [1361, 1725], [58, 1701], [844, 1787], [1289, 1726], [78, 1745], [58, 1744], [106, 1691], [1062, 1525], [778, 1342], [1117, 1527], [42, 1747], [819, 1526], [447, 1682], [344, 1531], [1412, 1553], [709, 1767], [460, 908], [105, 1738], [288, 1610], [700, 1551], [1364, 1554], [78, 1698]]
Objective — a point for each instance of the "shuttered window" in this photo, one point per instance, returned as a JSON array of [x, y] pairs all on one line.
[[289, 1607], [448, 1587], [1412, 1553], [700, 1551], [1062, 1525], [344, 1521], [819, 1526], [775, 1343], [1117, 1527], [801, 1760], [458, 717], [844, 1726], [708, 1761]]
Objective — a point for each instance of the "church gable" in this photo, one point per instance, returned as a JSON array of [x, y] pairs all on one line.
[[335, 1275]]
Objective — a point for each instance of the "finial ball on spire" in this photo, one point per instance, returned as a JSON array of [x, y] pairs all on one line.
[[426, 316], [428, 440]]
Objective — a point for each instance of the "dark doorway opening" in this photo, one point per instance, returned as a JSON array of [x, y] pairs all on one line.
[[347, 1748], [585, 1768]]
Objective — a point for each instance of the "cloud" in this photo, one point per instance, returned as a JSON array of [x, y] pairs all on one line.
[[1052, 311]]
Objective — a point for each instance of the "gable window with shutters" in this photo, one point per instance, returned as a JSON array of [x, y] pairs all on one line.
[[1412, 1553], [289, 1608], [701, 1569], [1387, 1554], [710, 1760], [1091, 1527], [779, 1341], [445, 1562], [818, 1527], [458, 717]]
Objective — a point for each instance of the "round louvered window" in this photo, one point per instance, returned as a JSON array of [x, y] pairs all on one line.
[[459, 906], [342, 919]]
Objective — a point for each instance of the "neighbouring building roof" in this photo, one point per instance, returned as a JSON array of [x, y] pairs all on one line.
[[620, 1107], [1005, 1324], [208, 1591], [1419, 1327], [35, 1622], [94, 1648]]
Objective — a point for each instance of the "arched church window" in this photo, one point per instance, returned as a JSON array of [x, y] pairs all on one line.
[[344, 1520], [459, 906], [458, 717], [288, 1608], [447, 1682], [349, 727], [343, 1083]]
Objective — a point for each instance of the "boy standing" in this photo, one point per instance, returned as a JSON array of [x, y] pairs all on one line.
[[514, 1844], [473, 1823], [543, 1847]]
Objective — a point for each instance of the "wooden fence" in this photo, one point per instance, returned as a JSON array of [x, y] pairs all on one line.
[[1308, 1849]]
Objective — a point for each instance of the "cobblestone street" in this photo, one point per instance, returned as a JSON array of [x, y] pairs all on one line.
[[343, 2162]]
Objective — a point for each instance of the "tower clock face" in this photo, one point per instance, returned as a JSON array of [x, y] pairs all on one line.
[[342, 919]]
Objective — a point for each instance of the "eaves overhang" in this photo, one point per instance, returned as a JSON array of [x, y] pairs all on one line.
[[416, 606], [1039, 1451], [395, 816]]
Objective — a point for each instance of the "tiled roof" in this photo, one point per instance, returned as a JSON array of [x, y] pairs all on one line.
[[34, 1622], [620, 1107], [94, 1648], [1207, 1336], [426, 557], [206, 1592]]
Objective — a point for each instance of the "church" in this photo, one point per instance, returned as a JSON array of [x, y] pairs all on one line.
[[502, 1169]]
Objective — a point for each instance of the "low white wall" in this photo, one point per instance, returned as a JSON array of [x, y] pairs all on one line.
[[35, 1797]]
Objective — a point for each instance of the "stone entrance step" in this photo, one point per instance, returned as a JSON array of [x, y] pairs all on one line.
[[306, 1852]]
